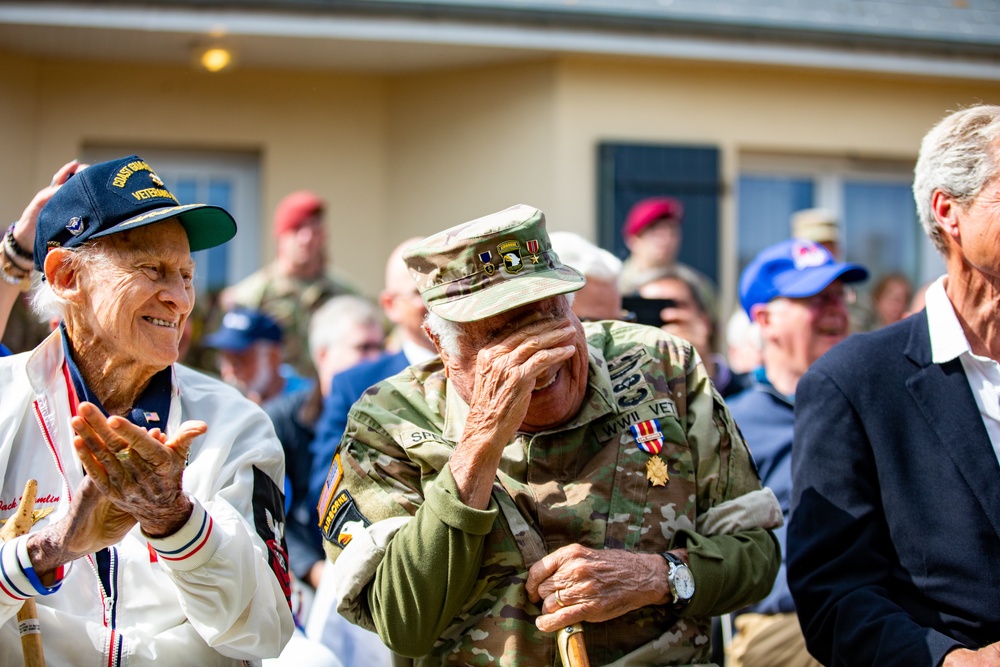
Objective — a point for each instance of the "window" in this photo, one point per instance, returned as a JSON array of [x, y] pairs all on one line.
[[872, 198]]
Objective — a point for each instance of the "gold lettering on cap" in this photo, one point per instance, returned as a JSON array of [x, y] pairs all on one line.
[[121, 178], [149, 193]]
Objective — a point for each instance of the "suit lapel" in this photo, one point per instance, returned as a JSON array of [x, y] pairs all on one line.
[[942, 393]]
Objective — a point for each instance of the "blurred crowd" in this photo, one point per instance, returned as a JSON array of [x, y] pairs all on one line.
[[304, 344]]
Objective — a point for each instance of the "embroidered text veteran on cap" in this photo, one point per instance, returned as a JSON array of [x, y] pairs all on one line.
[[119, 195], [489, 265]]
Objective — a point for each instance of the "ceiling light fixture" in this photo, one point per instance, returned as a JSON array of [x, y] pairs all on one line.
[[215, 58]]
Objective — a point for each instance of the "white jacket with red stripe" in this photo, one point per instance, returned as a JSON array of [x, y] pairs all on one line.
[[212, 594]]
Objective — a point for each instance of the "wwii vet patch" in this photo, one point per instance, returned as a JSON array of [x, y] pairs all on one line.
[[269, 520], [510, 251], [330, 486], [75, 225], [341, 511], [648, 436]]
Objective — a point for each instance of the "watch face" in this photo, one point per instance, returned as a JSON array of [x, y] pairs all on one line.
[[684, 582]]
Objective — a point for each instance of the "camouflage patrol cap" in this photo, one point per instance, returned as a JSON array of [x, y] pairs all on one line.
[[490, 265]]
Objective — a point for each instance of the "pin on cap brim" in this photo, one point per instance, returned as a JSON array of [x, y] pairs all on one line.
[[509, 294], [206, 226]]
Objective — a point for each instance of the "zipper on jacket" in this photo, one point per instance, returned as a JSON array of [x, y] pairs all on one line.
[[105, 566], [104, 563]]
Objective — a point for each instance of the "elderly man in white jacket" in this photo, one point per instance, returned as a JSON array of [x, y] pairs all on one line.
[[159, 518]]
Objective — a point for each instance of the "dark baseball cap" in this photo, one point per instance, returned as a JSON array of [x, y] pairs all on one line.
[[796, 268], [241, 328], [119, 195]]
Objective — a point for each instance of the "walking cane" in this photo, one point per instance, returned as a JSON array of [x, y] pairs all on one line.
[[27, 617], [572, 649]]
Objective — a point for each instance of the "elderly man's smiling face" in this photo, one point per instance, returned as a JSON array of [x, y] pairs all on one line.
[[139, 300], [559, 391]]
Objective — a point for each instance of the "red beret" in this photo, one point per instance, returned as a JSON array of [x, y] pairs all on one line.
[[649, 211], [295, 209]]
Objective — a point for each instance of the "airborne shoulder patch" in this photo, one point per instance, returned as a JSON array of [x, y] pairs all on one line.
[[342, 510]]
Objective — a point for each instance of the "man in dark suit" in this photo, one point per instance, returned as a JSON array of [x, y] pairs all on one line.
[[895, 526]]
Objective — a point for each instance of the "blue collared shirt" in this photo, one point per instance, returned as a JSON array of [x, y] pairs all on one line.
[[151, 407]]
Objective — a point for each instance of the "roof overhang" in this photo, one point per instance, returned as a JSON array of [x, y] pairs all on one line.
[[398, 37]]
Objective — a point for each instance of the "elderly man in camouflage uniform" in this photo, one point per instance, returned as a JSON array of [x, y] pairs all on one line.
[[541, 473]]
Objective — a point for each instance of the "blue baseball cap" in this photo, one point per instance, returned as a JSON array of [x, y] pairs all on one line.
[[241, 328], [119, 195], [796, 268]]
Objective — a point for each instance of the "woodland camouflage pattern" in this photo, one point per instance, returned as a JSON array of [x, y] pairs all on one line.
[[583, 482], [508, 252]]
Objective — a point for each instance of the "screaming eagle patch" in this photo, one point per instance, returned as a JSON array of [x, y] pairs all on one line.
[[269, 520], [342, 510]]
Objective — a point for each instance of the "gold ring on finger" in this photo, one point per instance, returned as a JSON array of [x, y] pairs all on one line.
[[122, 455], [559, 600]]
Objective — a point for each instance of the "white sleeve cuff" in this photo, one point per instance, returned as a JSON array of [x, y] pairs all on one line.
[[193, 545], [18, 580]]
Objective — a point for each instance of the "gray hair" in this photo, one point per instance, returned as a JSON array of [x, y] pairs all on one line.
[[329, 323], [958, 156], [444, 332], [45, 303]]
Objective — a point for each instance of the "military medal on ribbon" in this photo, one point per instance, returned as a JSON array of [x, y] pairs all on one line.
[[487, 259], [532, 247], [649, 438]]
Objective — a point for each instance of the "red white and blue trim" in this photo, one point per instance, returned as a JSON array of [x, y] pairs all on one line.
[[18, 580], [648, 436], [191, 546]]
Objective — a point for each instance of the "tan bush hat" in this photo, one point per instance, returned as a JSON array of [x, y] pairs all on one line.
[[818, 225]]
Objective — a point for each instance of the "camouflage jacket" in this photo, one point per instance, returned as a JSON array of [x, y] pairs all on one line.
[[436, 577], [291, 302]]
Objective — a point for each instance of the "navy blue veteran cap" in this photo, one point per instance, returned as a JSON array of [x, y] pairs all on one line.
[[119, 195], [241, 328], [796, 268]]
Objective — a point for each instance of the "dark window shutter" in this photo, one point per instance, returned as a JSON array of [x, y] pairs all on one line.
[[628, 173]]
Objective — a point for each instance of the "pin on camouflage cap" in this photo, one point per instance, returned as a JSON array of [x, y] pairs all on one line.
[[490, 265]]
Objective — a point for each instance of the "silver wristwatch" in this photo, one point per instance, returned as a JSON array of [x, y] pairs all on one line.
[[680, 579]]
